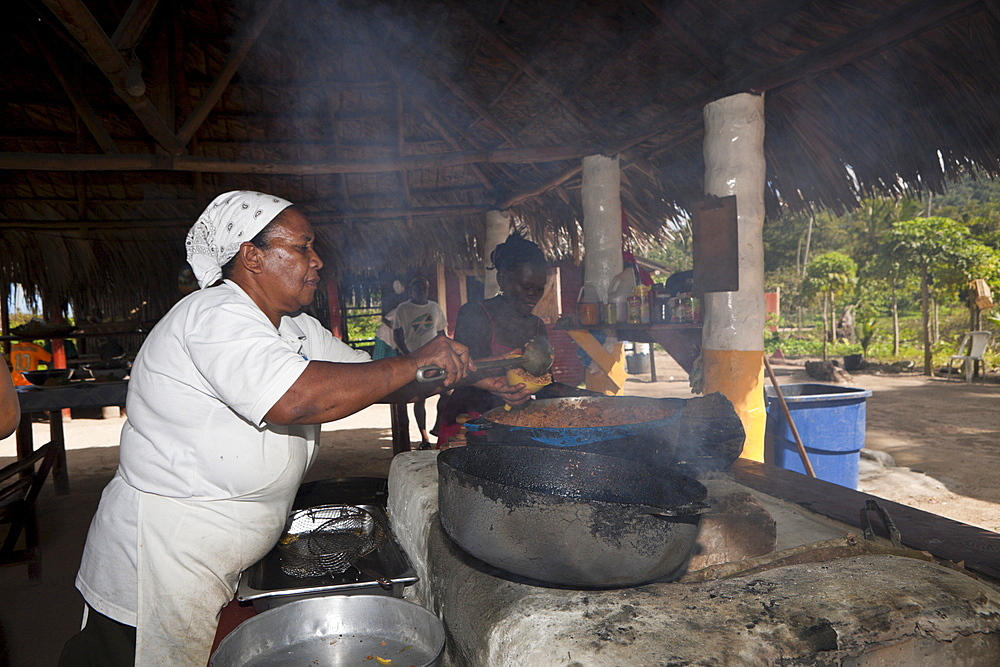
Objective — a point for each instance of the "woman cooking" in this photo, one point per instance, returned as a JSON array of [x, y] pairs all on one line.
[[224, 406], [498, 327]]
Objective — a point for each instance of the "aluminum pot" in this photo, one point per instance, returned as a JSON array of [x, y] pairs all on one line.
[[335, 630], [567, 517], [644, 429]]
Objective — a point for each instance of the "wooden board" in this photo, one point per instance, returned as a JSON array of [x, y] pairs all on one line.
[[716, 246], [945, 538]]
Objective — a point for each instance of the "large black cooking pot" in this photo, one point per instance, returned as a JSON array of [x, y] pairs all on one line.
[[693, 435], [568, 517], [643, 429]]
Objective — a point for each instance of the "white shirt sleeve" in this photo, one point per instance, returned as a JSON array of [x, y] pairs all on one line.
[[324, 346], [242, 358]]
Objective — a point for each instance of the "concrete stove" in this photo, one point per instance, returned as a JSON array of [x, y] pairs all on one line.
[[865, 610]]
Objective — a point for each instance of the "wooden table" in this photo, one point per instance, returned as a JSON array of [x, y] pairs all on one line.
[[52, 400]]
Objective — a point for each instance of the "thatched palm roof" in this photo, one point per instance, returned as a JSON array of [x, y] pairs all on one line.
[[396, 124]]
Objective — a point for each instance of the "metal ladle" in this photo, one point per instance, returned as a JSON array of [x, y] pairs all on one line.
[[536, 360]]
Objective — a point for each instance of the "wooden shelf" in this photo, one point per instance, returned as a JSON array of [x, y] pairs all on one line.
[[680, 341]]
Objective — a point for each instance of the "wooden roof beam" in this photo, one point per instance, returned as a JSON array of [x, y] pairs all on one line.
[[133, 24], [316, 218], [79, 102], [78, 20], [146, 162], [556, 181], [221, 82]]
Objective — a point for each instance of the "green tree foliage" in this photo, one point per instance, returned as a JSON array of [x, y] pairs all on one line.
[[974, 203], [828, 276], [868, 224], [942, 254], [889, 282], [677, 253]]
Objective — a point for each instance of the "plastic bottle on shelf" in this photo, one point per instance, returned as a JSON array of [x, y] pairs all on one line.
[[697, 309], [621, 288], [678, 309], [645, 303], [661, 304], [589, 305], [634, 309]]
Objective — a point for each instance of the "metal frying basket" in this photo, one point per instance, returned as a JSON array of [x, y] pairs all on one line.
[[328, 539]]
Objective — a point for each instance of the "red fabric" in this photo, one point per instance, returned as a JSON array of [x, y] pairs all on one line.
[[628, 259], [231, 616]]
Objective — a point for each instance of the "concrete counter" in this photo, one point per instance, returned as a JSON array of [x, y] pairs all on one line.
[[869, 610]]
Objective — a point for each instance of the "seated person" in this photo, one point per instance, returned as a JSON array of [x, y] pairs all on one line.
[[26, 356]]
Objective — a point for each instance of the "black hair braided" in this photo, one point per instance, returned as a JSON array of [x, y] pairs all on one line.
[[516, 250]]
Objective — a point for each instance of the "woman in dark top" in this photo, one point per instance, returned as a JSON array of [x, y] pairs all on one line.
[[498, 327]]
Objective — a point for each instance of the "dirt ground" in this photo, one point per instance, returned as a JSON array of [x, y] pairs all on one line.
[[942, 435]]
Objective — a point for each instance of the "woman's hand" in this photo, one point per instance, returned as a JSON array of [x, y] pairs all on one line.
[[452, 356], [516, 394]]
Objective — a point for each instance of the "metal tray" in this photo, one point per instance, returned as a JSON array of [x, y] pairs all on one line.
[[266, 586], [357, 491]]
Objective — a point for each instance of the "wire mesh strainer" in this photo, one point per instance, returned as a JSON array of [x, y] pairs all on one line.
[[328, 539]]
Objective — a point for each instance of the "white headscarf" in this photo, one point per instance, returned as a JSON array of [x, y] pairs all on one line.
[[233, 218]]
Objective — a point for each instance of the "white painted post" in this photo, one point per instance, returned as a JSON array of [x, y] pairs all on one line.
[[602, 221], [733, 334]]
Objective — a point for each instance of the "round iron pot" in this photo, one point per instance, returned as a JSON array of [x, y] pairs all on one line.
[[643, 429], [567, 517]]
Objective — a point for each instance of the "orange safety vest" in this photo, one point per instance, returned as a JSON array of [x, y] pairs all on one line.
[[26, 357]]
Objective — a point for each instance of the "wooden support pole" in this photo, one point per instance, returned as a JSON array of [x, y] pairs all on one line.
[[133, 24]]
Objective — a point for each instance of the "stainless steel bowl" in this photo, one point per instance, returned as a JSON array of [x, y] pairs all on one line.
[[335, 630]]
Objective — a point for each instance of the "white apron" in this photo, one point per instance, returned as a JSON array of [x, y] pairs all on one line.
[[191, 553]]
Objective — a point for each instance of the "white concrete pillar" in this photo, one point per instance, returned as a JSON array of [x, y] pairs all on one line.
[[497, 230], [602, 221], [733, 334]]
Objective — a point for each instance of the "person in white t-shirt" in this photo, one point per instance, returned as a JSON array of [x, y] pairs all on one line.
[[224, 405], [416, 323]]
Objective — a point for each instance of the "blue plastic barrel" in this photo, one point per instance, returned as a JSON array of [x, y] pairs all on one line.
[[831, 422]]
